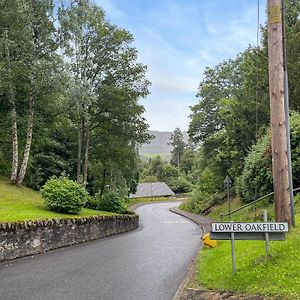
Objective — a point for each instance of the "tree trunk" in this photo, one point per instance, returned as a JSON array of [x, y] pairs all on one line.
[[15, 148], [79, 150], [28, 143], [86, 153], [13, 114]]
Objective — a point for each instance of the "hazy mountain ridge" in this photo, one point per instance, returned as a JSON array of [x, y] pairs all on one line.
[[160, 143]]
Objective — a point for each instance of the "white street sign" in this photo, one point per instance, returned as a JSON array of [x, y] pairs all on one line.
[[250, 227]]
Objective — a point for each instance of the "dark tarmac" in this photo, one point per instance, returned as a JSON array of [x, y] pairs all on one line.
[[148, 263]]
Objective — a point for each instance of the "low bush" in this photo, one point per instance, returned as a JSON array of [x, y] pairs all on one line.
[[64, 195], [200, 202], [180, 185], [197, 202], [91, 203], [111, 201], [256, 179]]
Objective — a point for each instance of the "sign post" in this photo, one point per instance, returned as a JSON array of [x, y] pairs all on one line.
[[266, 234], [233, 253]]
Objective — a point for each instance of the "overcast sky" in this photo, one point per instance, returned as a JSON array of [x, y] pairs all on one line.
[[177, 39]]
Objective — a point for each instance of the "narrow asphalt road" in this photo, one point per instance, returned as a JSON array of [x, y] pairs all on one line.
[[148, 263]]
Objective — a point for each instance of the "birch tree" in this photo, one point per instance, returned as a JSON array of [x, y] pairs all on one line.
[[103, 63], [28, 35]]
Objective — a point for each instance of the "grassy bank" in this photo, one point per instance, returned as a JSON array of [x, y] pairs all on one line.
[[251, 213], [275, 275], [21, 203]]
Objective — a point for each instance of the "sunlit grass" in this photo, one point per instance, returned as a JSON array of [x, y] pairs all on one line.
[[276, 275], [21, 203]]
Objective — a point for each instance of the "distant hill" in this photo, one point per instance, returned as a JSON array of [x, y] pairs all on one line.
[[159, 145]]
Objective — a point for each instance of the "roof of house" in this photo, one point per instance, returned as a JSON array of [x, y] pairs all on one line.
[[152, 189]]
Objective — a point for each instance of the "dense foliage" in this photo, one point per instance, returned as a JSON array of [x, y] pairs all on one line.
[[230, 121], [158, 170], [180, 185], [256, 178], [64, 195], [69, 96], [111, 201], [176, 140], [69, 102]]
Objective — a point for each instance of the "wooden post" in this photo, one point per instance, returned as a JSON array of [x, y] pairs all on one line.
[[278, 118]]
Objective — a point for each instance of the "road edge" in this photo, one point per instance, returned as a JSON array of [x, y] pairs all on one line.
[[222, 295], [192, 267]]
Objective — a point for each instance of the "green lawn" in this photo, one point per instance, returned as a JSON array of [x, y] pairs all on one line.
[[276, 275], [21, 203]]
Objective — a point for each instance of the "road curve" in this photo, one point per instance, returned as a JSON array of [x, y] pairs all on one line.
[[146, 264]]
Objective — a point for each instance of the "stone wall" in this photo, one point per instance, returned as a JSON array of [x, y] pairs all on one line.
[[20, 239]]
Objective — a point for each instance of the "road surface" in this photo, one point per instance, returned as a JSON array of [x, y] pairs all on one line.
[[146, 264]]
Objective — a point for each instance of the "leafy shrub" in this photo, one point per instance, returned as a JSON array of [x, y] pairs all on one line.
[[64, 195], [256, 178], [197, 202], [205, 193], [111, 201], [180, 185], [91, 203], [218, 198], [295, 145], [208, 182]]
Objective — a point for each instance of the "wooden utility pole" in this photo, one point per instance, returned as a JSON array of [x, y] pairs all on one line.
[[278, 118]]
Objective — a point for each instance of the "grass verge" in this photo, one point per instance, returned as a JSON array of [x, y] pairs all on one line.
[[21, 203], [275, 275], [251, 213]]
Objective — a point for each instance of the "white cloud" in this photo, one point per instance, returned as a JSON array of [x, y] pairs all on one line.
[[170, 69], [166, 111], [177, 39]]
